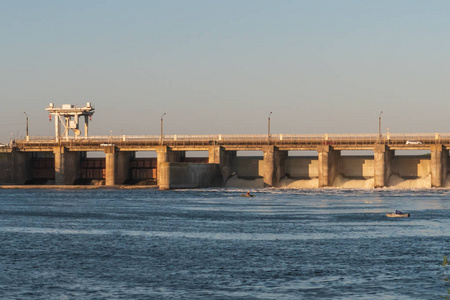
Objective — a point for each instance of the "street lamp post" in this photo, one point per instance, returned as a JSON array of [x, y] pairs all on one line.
[[379, 124], [268, 127], [161, 136], [27, 125]]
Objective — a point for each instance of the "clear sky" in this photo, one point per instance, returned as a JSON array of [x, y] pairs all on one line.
[[220, 67]]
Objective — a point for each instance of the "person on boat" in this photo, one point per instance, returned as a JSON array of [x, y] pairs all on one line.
[[397, 212], [248, 193]]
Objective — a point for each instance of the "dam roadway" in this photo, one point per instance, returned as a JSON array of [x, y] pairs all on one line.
[[67, 162], [284, 142]]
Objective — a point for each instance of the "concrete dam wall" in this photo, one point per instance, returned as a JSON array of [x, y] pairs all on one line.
[[189, 175], [352, 172], [172, 169]]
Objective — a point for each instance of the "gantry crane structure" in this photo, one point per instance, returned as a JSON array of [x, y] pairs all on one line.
[[68, 117]]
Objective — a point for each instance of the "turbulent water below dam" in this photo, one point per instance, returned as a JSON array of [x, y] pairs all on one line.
[[215, 244], [394, 182]]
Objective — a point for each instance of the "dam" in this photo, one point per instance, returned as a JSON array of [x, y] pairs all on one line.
[[38, 160], [330, 160]]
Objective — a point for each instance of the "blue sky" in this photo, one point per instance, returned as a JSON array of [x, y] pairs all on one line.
[[220, 67]]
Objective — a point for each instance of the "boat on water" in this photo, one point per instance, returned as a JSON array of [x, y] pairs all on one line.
[[247, 195], [397, 214]]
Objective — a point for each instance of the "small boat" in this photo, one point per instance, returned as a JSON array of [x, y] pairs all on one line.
[[397, 214], [247, 195]]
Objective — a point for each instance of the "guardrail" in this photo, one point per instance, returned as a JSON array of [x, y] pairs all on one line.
[[244, 140]]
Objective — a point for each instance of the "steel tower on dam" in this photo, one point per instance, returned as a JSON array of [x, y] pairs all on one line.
[[63, 159]]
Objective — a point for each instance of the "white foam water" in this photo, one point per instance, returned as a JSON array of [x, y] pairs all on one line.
[[289, 183], [398, 182], [395, 182], [350, 183]]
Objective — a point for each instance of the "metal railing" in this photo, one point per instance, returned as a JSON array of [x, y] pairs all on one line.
[[244, 140]]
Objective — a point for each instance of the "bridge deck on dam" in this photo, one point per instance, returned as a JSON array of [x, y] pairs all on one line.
[[286, 142]]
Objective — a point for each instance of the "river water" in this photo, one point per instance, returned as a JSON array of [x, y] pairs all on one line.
[[215, 244]]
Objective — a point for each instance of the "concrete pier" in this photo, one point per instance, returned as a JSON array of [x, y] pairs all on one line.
[[439, 159], [67, 165], [165, 155], [382, 165], [175, 175], [110, 165], [15, 167], [59, 165], [328, 164], [117, 165], [218, 155], [274, 168]]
